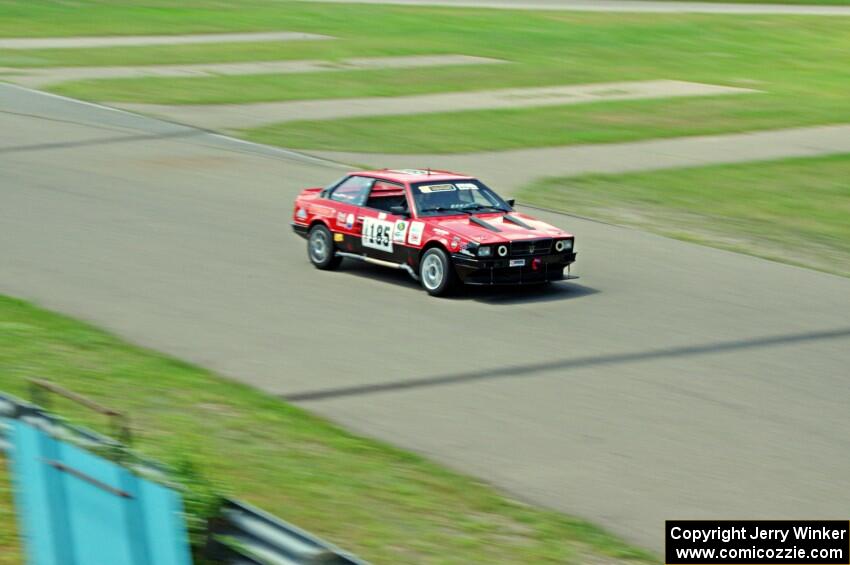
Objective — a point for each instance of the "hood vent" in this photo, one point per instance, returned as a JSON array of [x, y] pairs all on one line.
[[483, 224], [517, 221]]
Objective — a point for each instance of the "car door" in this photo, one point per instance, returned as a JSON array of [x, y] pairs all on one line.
[[347, 197], [383, 230]]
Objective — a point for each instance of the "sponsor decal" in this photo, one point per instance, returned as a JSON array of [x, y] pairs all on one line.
[[382, 216], [338, 237], [340, 219], [437, 188], [301, 213], [377, 234], [455, 242], [410, 171], [349, 221], [415, 233], [400, 232], [440, 231], [466, 186]]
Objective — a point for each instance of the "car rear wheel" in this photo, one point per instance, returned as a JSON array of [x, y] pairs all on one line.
[[320, 248], [436, 272]]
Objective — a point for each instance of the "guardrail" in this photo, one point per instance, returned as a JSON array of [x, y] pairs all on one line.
[[240, 535], [12, 408], [244, 535], [84, 498], [119, 422]]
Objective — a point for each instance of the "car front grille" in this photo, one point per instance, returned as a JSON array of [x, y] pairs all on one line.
[[531, 247]]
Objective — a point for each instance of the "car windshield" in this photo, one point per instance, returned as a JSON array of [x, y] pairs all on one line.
[[466, 196]]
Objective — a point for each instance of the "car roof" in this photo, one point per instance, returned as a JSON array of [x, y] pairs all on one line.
[[412, 175]]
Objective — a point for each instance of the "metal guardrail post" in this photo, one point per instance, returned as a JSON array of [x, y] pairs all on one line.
[[119, 422]]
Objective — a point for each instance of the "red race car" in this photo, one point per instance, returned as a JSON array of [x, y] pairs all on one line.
[[438, 226]]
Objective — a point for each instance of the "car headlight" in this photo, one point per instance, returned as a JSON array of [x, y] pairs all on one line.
[[485, 251], [563, 245], [470, 248], [502, 250]]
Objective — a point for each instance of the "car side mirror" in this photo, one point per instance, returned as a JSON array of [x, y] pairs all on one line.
[[511, 202], [398, 211]]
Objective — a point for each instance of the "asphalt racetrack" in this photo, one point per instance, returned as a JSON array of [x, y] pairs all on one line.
[[670, 381]]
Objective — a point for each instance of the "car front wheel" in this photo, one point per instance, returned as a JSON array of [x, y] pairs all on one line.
[[320, 248], [436, 272]]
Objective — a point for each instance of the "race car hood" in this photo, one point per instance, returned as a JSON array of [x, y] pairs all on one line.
[[482, 228]]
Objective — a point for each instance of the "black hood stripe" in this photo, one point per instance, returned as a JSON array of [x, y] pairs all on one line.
[[517, 221], [483, 224]]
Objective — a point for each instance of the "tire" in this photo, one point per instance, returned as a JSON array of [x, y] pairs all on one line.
[[436, 272], [320, 248]]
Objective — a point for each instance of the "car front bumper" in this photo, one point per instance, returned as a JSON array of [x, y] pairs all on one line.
[[300, 229], [535, 270]]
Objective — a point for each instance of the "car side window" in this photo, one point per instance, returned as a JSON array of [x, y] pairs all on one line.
[[386, 195], [352, 190]]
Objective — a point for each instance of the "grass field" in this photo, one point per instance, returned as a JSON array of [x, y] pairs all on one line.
[[795, 210], [384, 504], [462, 132], [9, 547], [796, 60]]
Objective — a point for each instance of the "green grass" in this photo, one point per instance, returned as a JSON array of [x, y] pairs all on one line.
[[459, 132], [384, 504], [796, 60], [793, 210], [9, 547]]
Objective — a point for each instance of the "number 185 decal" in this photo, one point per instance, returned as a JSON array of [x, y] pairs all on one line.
[[377, 234]]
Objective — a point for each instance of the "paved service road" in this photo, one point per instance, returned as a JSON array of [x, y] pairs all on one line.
[[518, 167], [40, 76], [662, 6], [671, 381], [136, 40], [239, 116]]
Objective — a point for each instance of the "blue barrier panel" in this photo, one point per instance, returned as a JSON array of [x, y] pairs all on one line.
[[77, 508]]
